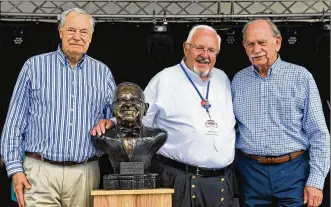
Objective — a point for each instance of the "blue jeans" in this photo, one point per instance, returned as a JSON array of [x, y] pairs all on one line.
[[268, 185]]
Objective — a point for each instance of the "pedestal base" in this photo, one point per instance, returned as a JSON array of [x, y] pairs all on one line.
[[129, 182], [160, 197]]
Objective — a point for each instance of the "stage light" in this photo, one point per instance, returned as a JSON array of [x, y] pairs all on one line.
[[160, 28], [293, 37], [230, 37], [18, 35]]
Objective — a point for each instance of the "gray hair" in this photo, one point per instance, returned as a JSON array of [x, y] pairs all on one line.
[[274, 29], [64, 15], [206, 27]]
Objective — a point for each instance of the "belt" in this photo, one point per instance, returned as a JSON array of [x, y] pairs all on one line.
[[61, 163], [205, 172], [274, 160]]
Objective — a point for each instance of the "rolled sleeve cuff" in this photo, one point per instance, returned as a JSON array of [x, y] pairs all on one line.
[[114, 120], [14, 167], [316, 181]]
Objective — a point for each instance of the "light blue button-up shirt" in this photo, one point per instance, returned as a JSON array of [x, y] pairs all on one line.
[[54, 107], [282, 113]]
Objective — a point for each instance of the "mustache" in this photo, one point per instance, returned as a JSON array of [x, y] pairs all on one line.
[[257, 55], [202, 60]]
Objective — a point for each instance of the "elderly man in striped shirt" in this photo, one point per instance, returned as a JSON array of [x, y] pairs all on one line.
[[57, 99], [283, 141]]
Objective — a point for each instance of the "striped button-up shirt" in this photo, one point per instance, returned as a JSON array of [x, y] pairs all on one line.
[[282, 113], [54, 107]]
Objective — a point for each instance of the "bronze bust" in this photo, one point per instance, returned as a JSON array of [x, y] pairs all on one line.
[[130, 141]]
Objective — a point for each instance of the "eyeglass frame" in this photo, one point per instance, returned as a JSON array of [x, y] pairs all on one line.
[[122, 101], [204, 49]]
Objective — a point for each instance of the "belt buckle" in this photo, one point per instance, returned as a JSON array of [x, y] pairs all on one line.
[[67, 163], [261, 159], [197, 172]]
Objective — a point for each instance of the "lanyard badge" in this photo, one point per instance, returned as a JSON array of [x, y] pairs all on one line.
[[210, 125]]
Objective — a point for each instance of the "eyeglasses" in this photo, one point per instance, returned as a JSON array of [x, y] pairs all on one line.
[[212, 52], [131, 101]]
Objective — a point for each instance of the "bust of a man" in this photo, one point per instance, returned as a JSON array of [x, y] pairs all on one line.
[[129, 140]]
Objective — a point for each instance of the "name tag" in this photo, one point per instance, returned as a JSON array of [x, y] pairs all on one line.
[[211, 127]]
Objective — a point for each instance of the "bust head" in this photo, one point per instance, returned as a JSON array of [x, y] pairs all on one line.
[[129, 105]]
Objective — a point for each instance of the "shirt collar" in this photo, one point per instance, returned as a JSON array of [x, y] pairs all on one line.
[[65, 61], [195, 76], [274, 69]]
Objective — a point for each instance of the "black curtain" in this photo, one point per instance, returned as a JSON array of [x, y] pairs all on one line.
[[134, 53]]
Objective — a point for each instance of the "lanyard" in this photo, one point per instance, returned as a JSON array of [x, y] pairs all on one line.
[[204, 102]]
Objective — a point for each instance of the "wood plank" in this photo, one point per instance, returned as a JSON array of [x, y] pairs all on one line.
[[132, 192]]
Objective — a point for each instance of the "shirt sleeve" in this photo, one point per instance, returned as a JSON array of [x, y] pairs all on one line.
[[16, 123], [314, 126], [111, 85], [151, 98]]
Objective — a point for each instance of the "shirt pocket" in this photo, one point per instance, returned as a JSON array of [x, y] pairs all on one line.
[[282, 109], [95, 99]]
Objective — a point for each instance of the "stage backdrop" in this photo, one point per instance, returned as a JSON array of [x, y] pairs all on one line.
[[134, 53]]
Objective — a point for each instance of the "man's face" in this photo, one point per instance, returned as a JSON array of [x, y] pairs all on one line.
[[129, 107], [260, 44], [76, 34], [203, 61]]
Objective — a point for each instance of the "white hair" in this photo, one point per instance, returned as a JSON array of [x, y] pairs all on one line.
[[274, 29], [205, 27], [77, 10]]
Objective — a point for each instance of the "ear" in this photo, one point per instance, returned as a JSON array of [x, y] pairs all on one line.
[[244, 45], [112, 106], [60, 32], [278, 43], [146, 108], [185, 48]]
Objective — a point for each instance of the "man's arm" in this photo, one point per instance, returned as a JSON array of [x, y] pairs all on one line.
[[151, 95], [12, 134], [16, 123], [108, 121], [319, 138]]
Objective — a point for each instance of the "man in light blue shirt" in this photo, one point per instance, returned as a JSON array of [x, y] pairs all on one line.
[[57, 99], [283, 141]]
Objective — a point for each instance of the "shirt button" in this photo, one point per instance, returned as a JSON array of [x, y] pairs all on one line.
[[222, 179], [222, 190], [193, 196], [193, 177], [193, 186], [222, 199]]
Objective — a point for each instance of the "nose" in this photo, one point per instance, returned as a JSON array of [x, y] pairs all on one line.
[[256, 48], [204, 54], [77, 35]]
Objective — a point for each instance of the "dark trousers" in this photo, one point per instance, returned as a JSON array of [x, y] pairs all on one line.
[[272, 185], [195, 191]]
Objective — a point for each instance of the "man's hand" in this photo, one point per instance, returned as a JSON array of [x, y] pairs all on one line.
[[312, 196], [20, 182], [100, 128]]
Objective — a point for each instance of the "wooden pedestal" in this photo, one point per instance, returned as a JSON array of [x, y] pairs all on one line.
[[160, 197]]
